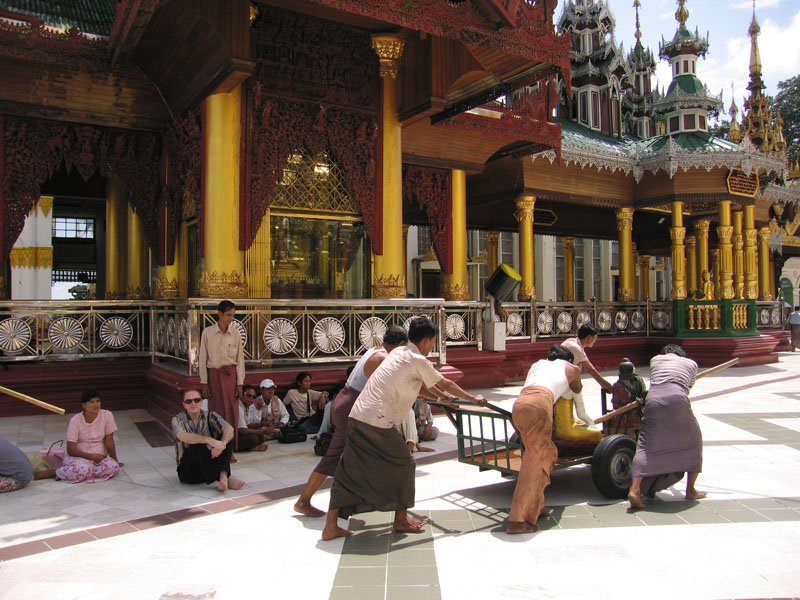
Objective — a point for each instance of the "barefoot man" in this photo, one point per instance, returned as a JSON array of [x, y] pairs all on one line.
[[203, 445], [532, 416], [376, 471], [670, 442], [342, 405]]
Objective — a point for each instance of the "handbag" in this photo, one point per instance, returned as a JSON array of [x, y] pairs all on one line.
[[53, 456], [291, 434], [322, 443]]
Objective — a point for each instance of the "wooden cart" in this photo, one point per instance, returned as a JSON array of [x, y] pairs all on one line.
[[487, 439]]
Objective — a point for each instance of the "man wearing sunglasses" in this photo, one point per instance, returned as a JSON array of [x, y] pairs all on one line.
[[203, 445], [252, 435]]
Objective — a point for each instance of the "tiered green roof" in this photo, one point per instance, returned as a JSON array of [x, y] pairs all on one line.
[[94, 17]]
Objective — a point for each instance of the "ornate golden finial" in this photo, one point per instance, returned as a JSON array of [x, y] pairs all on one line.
[[755, 56], [682, 14], [735, 133], [638, 35]]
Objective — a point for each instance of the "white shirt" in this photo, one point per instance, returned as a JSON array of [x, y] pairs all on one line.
[[358, 379], [392, 389], [549, 374]]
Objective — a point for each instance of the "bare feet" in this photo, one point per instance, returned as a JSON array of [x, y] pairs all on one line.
[[335, 532], [409, 525], [636, 501], [305, 508], [425, 449], [222, 486], [695, 495], [235, 483], [517, 527], [545, 512], [234, 459], [261, 447]]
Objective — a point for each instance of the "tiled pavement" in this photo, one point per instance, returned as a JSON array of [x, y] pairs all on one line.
[[144, 535]]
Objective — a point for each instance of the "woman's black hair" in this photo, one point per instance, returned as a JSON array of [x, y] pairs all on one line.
[[89, 395], [674, 349]]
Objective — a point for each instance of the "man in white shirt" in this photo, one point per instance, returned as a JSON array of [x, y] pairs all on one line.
[[376, 471]]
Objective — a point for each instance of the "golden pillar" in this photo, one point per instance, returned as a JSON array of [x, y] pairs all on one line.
[[691, 266], [738, 256], [701, 233], [388, 280], [257, 261], [725, 235], [750, 264], [677, 234], [644, 276], [715, 268], [116, 230], [138, 265], [492, 251], [772, 292], [524, 216], [626, 268], [405, 254], [764, 292], [223, 273], [455, 285], [569, 269]]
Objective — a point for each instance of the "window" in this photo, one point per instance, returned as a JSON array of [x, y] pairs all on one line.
[[423, 240], [685, 66], [506, 244], [595, 110], [580, 284], [584, 108], [702, 120], [674, 124], [596, 270], [73, 228], [689, 123], [559, 269], [693, 67]]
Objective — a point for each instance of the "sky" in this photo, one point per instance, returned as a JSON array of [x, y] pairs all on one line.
[[726, 22]]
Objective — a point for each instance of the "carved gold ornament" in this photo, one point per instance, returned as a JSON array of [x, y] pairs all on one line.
[[223, 285], [389, 50]]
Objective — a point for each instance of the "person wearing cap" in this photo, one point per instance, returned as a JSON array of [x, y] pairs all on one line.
[[273, 411]]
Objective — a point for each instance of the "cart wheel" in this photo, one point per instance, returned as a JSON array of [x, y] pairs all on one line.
[[611, 465]]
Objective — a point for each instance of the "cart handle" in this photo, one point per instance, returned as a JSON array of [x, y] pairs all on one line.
[[456, 402]]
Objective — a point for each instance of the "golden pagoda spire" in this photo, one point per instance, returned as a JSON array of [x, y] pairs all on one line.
[[682, 14], [735, 132], [638, 35], [755, 56]]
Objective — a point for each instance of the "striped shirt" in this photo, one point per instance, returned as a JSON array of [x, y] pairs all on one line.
[[671, 368]]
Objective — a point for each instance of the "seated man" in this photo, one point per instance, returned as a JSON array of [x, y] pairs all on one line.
[[251, 434], [15, 469], [203, 445], [425, 428], [272, 410]]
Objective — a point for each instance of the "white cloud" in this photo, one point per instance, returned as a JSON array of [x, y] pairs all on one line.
[[748, 4]]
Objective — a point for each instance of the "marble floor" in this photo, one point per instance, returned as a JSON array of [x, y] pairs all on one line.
[[143, 535]]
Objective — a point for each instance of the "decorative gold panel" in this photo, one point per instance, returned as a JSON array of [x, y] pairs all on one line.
[[314, 184]]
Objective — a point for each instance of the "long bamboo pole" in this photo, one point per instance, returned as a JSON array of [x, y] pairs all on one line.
[[32, 400], [629, 407]]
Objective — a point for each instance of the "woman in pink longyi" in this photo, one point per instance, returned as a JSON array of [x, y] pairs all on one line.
[[91, 453]]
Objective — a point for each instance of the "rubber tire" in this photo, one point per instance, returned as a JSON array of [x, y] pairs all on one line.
[[611, 465]]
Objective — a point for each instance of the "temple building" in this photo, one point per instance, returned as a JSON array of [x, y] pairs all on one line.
[[339, 166]]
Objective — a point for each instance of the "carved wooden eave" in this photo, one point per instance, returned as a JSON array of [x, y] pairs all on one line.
[[631, 158], [45, 73], [130, 23], [529, 32]]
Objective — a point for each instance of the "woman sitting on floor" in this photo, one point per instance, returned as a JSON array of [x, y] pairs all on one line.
[[91, 452]]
